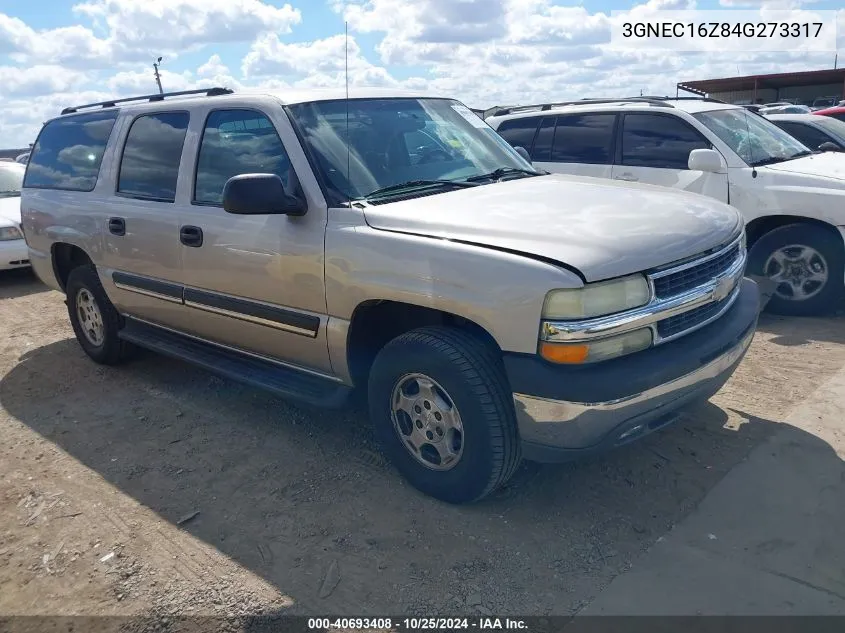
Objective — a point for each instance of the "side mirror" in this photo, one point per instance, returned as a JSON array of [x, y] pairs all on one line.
[[705, 160], [260, 194], [828, 146], [523, 152]]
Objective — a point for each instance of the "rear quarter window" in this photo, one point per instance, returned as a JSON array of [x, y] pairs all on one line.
[[69, 151]]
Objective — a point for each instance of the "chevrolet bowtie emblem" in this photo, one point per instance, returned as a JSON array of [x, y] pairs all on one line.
[[722, 289]]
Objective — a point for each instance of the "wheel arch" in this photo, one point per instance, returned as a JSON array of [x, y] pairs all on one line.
[[758, 227], [375, 322], [65, 258]]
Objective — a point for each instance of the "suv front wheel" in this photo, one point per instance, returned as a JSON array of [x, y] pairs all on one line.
[[443, 413], [806, 262]]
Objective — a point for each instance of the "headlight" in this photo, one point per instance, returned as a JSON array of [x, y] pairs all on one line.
[[605, 297], [594, 351], [10, 233]]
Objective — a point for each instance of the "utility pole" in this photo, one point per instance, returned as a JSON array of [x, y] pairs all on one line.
[[158, 77]]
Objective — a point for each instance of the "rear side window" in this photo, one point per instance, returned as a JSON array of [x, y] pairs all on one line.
[[237, 142], [651, 140], [519, 132], [584, 138], [807, 134], [69, 151], [151, 156]]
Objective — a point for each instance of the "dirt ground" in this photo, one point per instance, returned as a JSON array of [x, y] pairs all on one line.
[[157, 488]]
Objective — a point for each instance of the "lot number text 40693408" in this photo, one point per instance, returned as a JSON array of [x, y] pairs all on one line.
[[418, 624]]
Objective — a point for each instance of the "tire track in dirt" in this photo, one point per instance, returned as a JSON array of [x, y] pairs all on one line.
[[283, 492]]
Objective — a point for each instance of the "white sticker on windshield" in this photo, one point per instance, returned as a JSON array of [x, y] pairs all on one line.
[[469, 115]]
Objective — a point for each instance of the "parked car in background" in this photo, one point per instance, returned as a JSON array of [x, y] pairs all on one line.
[[792, 198], [784, 109], [22, 159], [837, 112], [816, 132], [13, 250], [820, 103], [310, 244], [752, 107]]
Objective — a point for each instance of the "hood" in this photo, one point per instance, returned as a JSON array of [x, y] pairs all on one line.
[[601, 227], [10, 211], [827, 165]]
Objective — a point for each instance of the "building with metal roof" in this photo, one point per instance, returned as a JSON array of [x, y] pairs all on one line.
[[800, 87]]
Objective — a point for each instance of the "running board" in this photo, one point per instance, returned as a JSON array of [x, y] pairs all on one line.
[[281, 380]]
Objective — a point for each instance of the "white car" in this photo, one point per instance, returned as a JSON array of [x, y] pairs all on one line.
[[13, 250], [792, 198], [785, 109]]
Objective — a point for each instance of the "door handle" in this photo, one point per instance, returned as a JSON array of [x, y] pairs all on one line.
[[191, 236], [626, 177], [117, 226]]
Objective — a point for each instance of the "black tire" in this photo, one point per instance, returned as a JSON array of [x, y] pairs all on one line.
[[471, 373], [112, 350], [824, 241]]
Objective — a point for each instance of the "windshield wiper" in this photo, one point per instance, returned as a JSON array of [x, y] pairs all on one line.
[[771, 160], [418, 183], [504, 171]]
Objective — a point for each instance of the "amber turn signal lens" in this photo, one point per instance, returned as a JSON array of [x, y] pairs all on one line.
[[563, 353]]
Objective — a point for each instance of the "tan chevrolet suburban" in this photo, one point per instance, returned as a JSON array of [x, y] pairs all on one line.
[[312, 244]]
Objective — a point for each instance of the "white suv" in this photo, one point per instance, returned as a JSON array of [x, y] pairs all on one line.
[[792, 198]]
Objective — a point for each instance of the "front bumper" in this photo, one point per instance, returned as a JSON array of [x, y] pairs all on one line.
[[567, 412], [13, 254]]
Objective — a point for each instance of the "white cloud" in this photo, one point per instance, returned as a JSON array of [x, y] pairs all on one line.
[[136, 31], [321, 63], [38, 80], [483, 52], [214, 66], [176, 25], [129, 83]]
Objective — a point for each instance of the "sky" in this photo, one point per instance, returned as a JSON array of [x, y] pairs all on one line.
[[56, 53]]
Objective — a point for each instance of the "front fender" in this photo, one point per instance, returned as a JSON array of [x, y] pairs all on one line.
[[502, 292]]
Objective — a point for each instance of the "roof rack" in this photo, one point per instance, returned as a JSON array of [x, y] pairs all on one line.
[[655, 101], [708, 99], [649, 99], [209, 92]]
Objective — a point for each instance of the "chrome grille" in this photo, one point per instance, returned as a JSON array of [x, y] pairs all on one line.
[[675, 283], [687, 296], [686, 320]]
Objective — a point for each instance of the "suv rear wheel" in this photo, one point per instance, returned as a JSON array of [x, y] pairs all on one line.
[[806, 262], [95, 320], [443, 413]]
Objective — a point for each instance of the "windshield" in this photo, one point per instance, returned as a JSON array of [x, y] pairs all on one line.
[[755, 139], [395, 141], [832, 126], [11, 179]]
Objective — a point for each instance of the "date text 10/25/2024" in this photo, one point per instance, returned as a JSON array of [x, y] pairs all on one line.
[[417, 624]]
